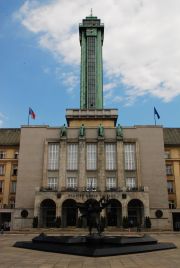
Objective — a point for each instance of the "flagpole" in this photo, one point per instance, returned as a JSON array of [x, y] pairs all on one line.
[[28, 118], [155, 119]]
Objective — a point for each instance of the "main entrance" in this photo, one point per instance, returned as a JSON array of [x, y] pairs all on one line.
[[69, 213], [135, 213], [48, 213], [114, 213]]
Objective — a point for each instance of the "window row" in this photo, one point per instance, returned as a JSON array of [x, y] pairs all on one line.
[[12, 186], [91, 156], [3, 154], [13, 172], [91, 183]]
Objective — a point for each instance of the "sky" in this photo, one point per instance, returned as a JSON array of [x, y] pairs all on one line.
[[40, 59]]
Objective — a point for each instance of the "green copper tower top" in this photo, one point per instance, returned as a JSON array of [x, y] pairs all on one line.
[[91, 33]]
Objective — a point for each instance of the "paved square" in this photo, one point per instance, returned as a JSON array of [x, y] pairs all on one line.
[[23, 258]]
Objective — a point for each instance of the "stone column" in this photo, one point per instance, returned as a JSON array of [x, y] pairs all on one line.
[[62, 164], [45, 165], [120, 164], [101, 164], [139, 181], [124, 209], [82, 163], [58, 208]]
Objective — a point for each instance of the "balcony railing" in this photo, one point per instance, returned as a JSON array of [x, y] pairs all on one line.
[[48, 189], [94, 189], [7, 206]]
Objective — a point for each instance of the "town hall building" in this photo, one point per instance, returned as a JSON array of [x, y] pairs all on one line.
[[91, 157]]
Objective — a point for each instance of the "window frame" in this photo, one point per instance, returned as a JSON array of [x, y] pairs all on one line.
[[110, 156], [53, 156], [52, 185], [130, 156], [91, 156], [131, 186], [91, 184], [72, 156]]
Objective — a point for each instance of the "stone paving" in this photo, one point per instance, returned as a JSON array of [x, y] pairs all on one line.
[[11, 257]]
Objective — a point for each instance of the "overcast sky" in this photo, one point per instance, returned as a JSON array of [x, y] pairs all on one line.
[[40, 52]]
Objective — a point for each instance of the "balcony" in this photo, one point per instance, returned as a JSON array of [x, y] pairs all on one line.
[[127, 189], [7, 206], [93, 189], [48, 189]]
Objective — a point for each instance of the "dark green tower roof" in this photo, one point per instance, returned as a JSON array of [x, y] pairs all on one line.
[[91, 33]]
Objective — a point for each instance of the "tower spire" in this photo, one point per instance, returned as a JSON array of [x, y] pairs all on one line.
[[91, 14], [91, 33]]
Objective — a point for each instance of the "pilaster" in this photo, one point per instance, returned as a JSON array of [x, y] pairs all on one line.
[[120, 164], [62, 164]]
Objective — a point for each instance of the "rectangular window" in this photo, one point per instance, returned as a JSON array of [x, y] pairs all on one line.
[[52, 183], [2, 154], [129, 156], [72, 183], [72, 157], [131, 183], [14, 170], [91, 184], [2, 170], [170, 187], [13, 186], [167, 154], [16, 154], [169, 170], [53, 156], [111, 183], [110, 156], [1, 186], [91, 156], [172, 204]]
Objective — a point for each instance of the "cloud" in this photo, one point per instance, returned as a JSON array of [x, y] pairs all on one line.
[[2, 119], [141, 46], [69, 79]]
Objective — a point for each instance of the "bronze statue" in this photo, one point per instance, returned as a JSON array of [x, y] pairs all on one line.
[[119, 131], [101, 131], [91, 211], [63, 131], [82, 131]]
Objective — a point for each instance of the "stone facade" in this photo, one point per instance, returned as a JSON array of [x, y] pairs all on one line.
[[149, 173]]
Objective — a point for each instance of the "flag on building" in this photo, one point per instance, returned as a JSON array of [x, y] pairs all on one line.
[[156, 113], [31, 113]]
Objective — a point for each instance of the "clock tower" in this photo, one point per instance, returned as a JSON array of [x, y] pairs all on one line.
[[91, 33]]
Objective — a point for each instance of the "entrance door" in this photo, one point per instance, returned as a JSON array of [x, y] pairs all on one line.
[[176, 221], [48, 213], [113, 211], [69, 213], [135, 213]]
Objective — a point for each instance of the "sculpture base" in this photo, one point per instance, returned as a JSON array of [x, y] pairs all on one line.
[[95, 245]]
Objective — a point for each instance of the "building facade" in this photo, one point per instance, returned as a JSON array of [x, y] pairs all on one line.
[[91, 157], [172, 158], [9, 151]]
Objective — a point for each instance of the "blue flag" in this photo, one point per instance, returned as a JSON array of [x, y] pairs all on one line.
[[156, 113]]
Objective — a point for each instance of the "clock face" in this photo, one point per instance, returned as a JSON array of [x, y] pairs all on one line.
[[91, 32]]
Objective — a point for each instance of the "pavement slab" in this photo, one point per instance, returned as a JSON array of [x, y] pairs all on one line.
[[11, 257]]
